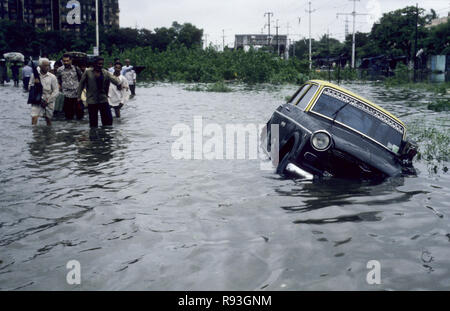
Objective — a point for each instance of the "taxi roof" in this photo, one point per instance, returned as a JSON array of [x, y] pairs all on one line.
[[332, 85]]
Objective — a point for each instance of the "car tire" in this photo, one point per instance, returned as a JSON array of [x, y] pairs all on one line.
[[287, 158]]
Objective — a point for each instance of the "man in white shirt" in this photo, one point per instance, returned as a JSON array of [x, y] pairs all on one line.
[[27, 71], [111, 69], [117, 98], [130, 74], [50, 92]]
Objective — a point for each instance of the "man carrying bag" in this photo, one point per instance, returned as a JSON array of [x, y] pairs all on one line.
[[43, 92]]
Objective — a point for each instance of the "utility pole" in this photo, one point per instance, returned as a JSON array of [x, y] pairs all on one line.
[[293, 49], [206, 40], [287, 39], [354, 26], [415, 43], [310, 45], [289, 44], [328, 55], [223, 40], [269, 14], [278, 41]]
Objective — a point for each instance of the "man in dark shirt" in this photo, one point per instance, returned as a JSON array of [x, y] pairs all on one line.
[[97, 82], [15, 73]]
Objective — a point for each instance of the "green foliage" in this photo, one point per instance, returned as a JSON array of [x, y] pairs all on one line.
[[433, 145], [194, 88], [440, 105], [437, 42], [396, 31], [438, 88], [393, 35], [18, 37], [401, 76], [180, 64], [434, 142], [218, 87]]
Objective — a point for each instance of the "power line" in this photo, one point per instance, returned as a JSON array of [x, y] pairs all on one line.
[[327, 5]]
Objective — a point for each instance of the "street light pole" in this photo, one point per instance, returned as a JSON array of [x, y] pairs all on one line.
[[310, 44], [415, 43], [96, 28]]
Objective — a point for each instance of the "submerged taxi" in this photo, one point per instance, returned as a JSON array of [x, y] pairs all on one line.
[[327, 131]]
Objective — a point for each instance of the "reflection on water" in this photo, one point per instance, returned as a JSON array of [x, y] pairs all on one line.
[[440, 77], [369, 216], [96, 147], [93, 146], [325, 193], [114, 199]]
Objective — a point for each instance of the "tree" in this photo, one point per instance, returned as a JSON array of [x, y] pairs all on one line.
[[438, 40], [188, 35], [395, 32], [302, 48]]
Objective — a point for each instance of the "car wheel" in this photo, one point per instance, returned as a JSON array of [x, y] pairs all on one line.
[[287, 158]]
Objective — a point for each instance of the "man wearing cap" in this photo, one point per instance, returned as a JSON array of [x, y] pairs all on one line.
[[49, 93]]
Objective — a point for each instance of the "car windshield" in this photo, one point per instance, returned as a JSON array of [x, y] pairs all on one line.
[[360, 117]]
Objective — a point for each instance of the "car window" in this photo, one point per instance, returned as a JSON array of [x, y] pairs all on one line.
[[349, 112], [303, 103], [301, 91]]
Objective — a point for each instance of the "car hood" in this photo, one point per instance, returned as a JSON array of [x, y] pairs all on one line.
[[360, 147]]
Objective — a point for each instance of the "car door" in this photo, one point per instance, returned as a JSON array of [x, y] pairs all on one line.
[[287, 113]]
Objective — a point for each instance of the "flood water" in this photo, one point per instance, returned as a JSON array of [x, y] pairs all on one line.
[[136, 219]]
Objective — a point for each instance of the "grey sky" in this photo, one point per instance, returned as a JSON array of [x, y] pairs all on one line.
[[247, 16]]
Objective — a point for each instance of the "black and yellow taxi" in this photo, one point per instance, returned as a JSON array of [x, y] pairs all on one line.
[[327, 131]]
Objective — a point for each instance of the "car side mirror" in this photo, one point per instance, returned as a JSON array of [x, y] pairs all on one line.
[[408, 150]]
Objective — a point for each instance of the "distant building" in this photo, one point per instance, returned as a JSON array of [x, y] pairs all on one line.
[[439, 21], [256, 41], [52, 14]]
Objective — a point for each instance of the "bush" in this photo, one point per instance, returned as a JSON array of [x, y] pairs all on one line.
[[401, 76], [195, 65], [218, 87], [440, 105]]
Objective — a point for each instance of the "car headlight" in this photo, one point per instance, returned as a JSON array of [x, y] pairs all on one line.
[[321, 141]]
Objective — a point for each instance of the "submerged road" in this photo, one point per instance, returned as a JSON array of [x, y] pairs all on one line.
[[135, 218]]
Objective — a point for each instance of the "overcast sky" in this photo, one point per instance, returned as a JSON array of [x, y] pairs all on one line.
[[247, 16]]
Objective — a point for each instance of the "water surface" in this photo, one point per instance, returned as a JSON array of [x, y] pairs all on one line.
[[136, 219]]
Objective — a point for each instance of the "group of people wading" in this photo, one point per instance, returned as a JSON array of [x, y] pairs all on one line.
[[79, 87]]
